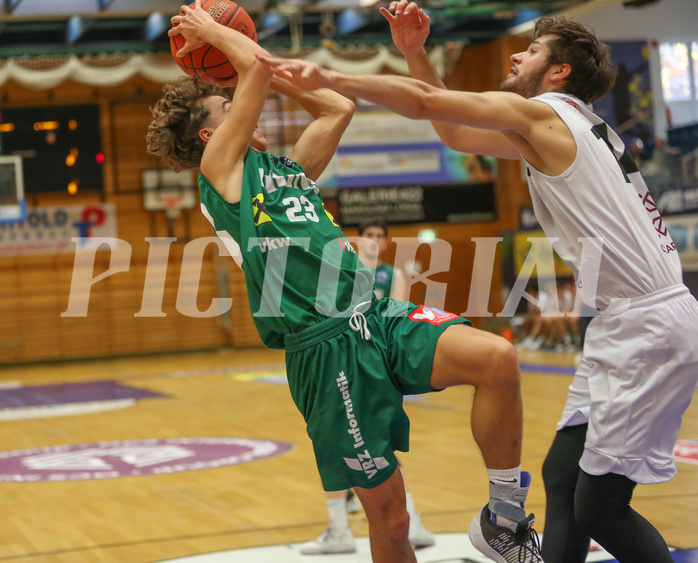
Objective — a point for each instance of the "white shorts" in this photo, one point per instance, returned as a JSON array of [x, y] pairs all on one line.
[[637, 378]]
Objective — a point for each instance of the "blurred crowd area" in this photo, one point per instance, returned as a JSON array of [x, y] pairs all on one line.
[[668, 163], [555, 318]]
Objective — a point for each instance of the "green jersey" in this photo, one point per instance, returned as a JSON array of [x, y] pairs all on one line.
[[384, 280], [299, 268]]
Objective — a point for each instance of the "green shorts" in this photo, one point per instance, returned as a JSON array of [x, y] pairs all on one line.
[[349, 389]]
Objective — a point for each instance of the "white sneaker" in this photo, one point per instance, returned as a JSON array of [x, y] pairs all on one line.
[[353, 504], [524, 344], [331, 541], [419, 536]]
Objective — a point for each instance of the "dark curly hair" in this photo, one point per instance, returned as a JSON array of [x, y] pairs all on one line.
[[593, 73], [173, 134]]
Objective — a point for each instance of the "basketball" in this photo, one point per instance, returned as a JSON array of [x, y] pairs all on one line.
[[207, 62]]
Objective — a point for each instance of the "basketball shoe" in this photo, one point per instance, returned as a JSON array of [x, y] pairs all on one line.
[[419, 536], [331, 541], [353, 504], [512, 543]]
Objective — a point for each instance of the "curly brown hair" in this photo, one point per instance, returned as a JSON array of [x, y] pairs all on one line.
[[593, 73], [173, 134]]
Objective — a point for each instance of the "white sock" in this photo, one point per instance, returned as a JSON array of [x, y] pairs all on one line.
[[337, 507], [411, 510], [507, 478]]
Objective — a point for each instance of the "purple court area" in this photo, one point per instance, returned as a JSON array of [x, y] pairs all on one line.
[[132, 458], [64, 393]]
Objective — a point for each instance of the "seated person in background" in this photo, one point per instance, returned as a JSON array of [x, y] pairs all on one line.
[[535, 326], [567, 323], [637, 151], [658, 170]]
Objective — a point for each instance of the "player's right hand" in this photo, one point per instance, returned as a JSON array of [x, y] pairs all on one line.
[[191, 23], [409, 25]]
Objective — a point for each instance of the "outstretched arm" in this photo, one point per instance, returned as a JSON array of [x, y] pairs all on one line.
[[498, 111], [331, 114], [409, 27], [223, 159], [533, 127]]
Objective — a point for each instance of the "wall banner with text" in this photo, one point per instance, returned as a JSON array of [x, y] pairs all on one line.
[[49, 229], [454, 203]]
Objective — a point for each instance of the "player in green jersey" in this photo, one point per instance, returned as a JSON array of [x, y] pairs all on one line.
[[349, 357], [338, 537], [373, 241]]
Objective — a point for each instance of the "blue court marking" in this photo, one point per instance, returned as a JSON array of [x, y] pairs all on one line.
[[687, 556], [63, 393], [549, 369]]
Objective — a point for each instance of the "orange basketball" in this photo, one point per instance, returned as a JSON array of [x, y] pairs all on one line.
[[207, 62]]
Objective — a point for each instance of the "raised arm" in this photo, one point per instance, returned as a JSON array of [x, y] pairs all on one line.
[[331, 113], [409, 27], [531, 126], [499, 111], [226, 145]]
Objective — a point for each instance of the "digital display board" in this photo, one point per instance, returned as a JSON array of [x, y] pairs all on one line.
[[60, 146]]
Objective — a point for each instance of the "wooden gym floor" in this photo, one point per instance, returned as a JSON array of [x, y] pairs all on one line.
[[86, 512]]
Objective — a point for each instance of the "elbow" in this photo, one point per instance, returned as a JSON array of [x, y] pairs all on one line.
[[346, 110], [341, 111], [348, 107], [448, 139], [420, 106]]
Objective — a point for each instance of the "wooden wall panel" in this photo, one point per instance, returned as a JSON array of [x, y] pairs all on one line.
[[34, 290]]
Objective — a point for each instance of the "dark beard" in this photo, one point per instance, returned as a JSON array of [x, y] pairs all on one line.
[[526, 86]]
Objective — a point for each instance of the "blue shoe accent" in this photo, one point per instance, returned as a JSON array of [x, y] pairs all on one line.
[[525, 479], [502, 499]]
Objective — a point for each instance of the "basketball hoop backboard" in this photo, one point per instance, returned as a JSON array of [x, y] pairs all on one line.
[[169, 191]]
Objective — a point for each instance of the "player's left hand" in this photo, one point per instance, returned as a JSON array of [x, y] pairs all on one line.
[[304, 74], [409, 25]]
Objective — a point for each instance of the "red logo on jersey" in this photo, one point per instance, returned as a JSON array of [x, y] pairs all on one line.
[[432, 315], [345, 246], [687, 451], [574, 104]]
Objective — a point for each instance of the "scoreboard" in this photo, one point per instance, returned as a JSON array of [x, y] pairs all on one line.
[[60, 146]]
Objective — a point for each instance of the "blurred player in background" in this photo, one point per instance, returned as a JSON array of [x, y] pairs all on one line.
[[373, 242]]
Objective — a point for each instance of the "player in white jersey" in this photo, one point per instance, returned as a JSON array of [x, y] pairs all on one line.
[[640, 368]]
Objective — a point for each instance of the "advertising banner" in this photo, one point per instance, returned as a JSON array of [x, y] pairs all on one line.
[[50, 229]]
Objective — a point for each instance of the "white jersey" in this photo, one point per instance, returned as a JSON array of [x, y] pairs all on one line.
[[600, 216]]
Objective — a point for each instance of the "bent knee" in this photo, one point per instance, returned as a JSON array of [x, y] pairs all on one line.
[[503, 365]]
